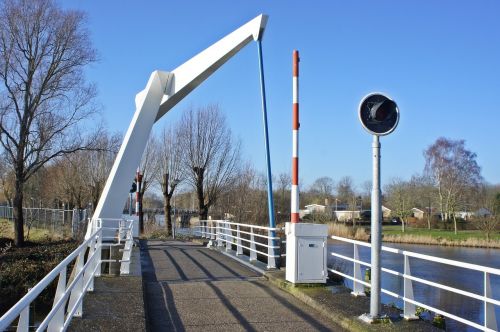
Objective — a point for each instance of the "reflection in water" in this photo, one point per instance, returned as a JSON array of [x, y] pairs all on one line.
[[465, 279]]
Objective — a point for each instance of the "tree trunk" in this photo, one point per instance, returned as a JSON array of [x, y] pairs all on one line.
[[168, 213], [18, 214], [455, 223], [202, 207]]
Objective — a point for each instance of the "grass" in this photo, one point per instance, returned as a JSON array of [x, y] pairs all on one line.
[[394, 234], [35, 234], [395, 230]]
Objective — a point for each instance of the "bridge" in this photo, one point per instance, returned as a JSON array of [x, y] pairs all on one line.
[[235, 278], [217, 278]]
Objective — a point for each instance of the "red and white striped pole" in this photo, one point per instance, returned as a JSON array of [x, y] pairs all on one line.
[[138, 179], [295, 130]]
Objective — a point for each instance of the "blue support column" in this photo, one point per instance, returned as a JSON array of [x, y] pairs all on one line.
[[270, 203]]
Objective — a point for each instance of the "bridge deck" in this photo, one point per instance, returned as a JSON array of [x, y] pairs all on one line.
[[191, 288]]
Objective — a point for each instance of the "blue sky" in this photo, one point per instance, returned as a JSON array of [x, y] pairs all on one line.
[[439, 60]]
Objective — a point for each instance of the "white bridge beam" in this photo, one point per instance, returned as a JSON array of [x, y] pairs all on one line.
[[163, 91]]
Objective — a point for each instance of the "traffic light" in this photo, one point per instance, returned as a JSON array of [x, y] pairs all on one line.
[[378, 114]]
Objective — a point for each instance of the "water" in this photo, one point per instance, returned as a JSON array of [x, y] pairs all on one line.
[[465, 279]]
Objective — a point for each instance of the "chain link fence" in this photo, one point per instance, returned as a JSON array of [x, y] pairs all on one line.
[[64, 223]]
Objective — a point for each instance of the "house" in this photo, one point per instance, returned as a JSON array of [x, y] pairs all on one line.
[[482, 212], [465, 215], [386, 212], [346, 215], [312, 208], [315, 208], [417, 213]]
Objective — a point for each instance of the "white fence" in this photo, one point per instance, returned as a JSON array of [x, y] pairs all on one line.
[[410, 304], [258, 240], [68, 298]]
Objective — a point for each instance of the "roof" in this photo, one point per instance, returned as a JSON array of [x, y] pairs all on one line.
[[315, 205]]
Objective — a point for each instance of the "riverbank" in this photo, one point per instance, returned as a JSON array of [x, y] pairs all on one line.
[[394, 234]]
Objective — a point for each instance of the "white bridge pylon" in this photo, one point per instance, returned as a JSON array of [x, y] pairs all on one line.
[[163, 91]]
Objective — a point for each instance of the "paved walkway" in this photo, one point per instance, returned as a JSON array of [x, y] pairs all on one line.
[[188, 287]]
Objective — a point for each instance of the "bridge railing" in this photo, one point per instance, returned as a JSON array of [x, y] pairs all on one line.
[[410, 304], [256, 240], [68, 298]]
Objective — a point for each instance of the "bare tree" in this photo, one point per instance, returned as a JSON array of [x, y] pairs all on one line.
[[6, 183], [399, 195], [489, 198], [98, 164], [454, 170], [148, 168], [170, 173], [366, 193], [44, 96], [282, 197], [423, 195], [211, 154], [345, 189], [323, 187]]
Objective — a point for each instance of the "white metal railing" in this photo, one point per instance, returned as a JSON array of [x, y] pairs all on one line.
[[224, 233], [410, 304], [87, 265], [81, 280]]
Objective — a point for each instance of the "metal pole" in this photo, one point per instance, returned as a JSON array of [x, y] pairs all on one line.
[[268, 157], [294, 215], [376, 234], [131, 201]]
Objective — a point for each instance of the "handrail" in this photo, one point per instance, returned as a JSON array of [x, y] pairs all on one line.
[[26, 300], [221, 233], [245, 225], [85, 268], [410, 304]]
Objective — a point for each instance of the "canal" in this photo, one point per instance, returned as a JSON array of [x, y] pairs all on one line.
[[465, 279]]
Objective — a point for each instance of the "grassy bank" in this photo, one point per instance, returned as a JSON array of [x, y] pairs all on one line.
[[33, 235], [394, 234], [22, 268]]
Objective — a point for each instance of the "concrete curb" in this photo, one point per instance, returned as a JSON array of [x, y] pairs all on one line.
[[323, 299], [349, 323]]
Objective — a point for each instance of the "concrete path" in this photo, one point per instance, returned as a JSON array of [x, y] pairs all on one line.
[[188, 287]]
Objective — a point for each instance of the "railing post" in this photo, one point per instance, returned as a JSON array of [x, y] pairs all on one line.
[[218, 234], [98, 255], [127, 250], [357, 287], [57, 322], [239, 249], [203, 225], [490, 320], [271, 260], [213, 235], [77, 291], [89, 272], [24, 320], [409, 308], [253, 252], [229, 237]]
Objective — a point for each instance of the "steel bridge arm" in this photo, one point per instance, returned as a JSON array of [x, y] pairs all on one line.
[[163, 91]]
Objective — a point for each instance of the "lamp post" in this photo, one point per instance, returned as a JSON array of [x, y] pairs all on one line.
[[379, 115]]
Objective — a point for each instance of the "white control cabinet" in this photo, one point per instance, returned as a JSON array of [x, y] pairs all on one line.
[[306, 252]]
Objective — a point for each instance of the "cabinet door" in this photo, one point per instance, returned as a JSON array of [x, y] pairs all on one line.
[[310, 258]]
